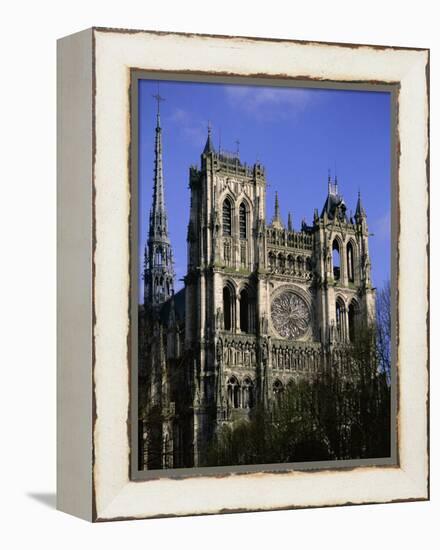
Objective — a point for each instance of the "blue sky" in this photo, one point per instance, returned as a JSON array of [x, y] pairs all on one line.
[[297, 133]]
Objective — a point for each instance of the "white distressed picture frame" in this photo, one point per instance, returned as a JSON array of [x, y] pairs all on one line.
[[94, 274]]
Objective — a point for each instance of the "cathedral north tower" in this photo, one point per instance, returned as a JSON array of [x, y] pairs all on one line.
[[225, 253]]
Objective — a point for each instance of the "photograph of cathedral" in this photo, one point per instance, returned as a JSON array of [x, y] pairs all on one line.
[[264, 320]]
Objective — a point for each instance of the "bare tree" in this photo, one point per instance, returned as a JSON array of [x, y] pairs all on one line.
[[344, 413], [383, 324]]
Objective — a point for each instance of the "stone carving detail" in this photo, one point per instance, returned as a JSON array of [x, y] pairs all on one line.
[[290, 315]]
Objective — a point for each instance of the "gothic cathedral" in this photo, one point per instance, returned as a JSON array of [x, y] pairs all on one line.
[[263, 305]]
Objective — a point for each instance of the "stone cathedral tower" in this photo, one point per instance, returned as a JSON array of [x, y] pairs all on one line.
[[226, 244], [264, 305]]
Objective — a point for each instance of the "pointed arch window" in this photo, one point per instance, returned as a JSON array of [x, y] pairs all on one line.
[[158, 256], [350, 264], [353, 317], [336, 260], [242, 221], [340, 319], [227, 217], [228, 307], [244, 310], [233, 392]]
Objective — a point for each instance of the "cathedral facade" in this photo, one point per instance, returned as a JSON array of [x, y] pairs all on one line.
[[263, 305]]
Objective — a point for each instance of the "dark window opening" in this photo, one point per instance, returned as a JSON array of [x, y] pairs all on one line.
[[350, 266], [158, 257], [242, 220], [233, 392], [244, 311], [352, 321], [227, 217], [227, 308]]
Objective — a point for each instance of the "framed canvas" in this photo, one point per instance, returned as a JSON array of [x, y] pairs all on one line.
[[243, 289]]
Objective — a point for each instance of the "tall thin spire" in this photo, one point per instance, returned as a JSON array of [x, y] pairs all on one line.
[[360, 213], [159, 271], [289, 222], [276, 222], [158, 212]]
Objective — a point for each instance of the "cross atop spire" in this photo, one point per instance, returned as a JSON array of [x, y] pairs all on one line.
[[158, 99]]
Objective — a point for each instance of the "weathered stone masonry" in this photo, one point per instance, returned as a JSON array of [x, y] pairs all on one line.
[[263, 305]]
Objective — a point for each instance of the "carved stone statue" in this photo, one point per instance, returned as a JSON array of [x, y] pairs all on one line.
[[264, 352], [264, 326], [219, 319], [332, 331]]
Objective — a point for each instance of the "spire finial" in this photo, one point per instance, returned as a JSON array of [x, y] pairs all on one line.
[[276, 222], [289, 222], [158, 98], [237, 143], [209, 148], [360, 211]]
